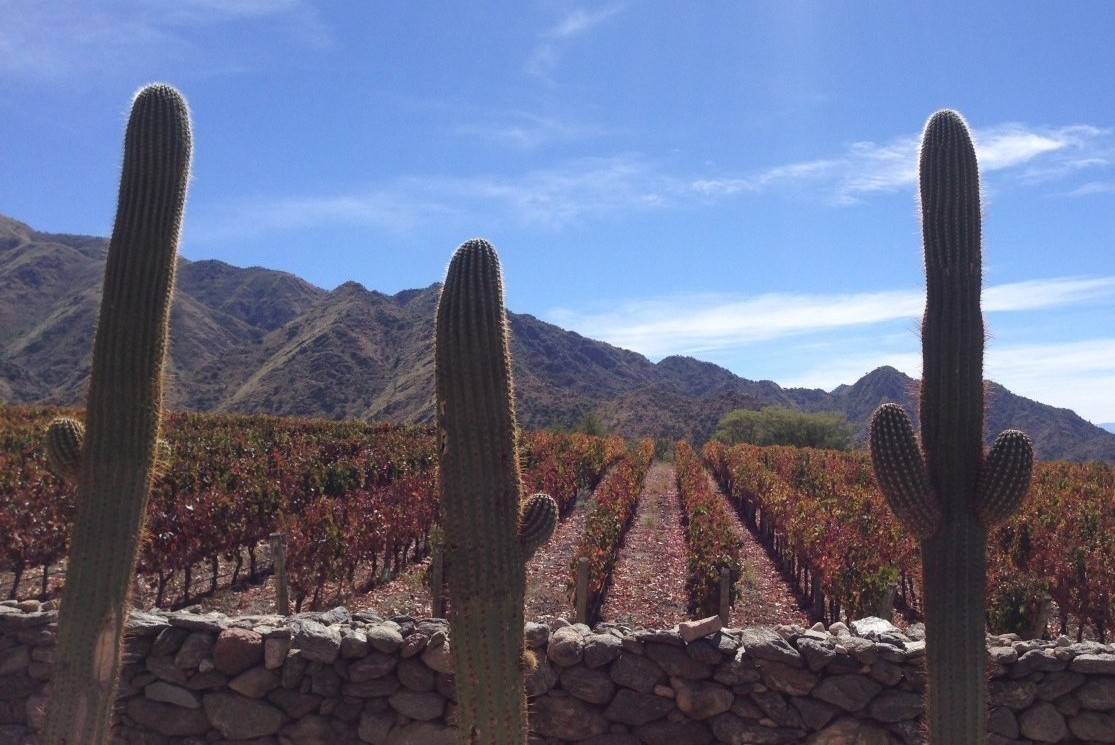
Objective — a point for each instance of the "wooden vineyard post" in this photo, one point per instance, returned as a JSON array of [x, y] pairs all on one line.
[[437, 589], [886, 603], [725, 595], [278, 555], [581, 592]]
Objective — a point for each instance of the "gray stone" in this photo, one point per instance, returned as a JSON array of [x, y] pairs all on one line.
[[422, 733], [311, 730], [294, 704], [373, 665], [255, 683], [1014, 694], [354, 643], [636, 672], [210, 623], [1043, 723], [316, 641], [593, 686], [415, 675], [163, 668], [1102, 664], [600, 649], [141, 623], [324, 680], [15, 659], [774, 705], [764, 644], [535, 634], [240, 718], [849, 692], [634, 708], [816, 652], [439, 658], [729, 728], [873, 627], [1036, 660], [738, 670], [338, 615], [1001, 721], [237, 650], [1093, 726], [704, 650], [848, 731], [666, 732], [167, 719], [1097, 694], [197, 648], [294, 669], [701, 699], [566, 646], [1056, 684], [540, 678], [384, 637], [417, 704], [169, 640], [275, 651], [565, 717], [814, 714], [896, 706], [169, 693], [382, 686], [795, 681], [374, 726], [677, 662]]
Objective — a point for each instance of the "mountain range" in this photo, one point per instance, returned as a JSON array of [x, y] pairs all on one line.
[[256, 340]]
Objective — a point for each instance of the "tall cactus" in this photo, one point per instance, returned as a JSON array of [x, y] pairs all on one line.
[[948, 494], [488, 533], [123, 418]]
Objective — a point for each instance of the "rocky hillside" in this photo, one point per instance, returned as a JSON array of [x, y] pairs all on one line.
[[259, 340]]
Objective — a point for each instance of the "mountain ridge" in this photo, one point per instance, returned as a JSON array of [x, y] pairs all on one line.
[[257, 340]]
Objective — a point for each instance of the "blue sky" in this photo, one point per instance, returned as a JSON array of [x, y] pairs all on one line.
[[732, 181]]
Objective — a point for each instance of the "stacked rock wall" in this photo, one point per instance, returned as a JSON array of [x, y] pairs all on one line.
[[336, 678]]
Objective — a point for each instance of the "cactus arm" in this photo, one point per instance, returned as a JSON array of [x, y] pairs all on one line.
[[537, 523], [479, 482], [122, 418], [65, 438], [1005, 477], [900, 471]]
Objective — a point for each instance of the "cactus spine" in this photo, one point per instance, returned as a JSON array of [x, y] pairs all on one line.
[[951, 498], [122, 418], [480, 489]]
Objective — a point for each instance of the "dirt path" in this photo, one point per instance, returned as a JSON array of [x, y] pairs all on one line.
[[762, 597], [549, 570], [648, 585]]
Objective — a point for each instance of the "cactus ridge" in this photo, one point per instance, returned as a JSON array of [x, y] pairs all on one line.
[[1005, 477], [900, 471], [123, 417], [539, 518], [65, 438]]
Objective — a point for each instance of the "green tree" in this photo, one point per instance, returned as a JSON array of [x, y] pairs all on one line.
[[780, 426]]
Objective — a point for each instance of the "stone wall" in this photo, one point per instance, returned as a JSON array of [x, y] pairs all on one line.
[[336, 678]]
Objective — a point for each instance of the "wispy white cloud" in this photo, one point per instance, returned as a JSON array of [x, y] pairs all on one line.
[[1036, 154], [1077, 375], [700, 324], [545, 198], [52, 39], [546, 55], [523, 130]]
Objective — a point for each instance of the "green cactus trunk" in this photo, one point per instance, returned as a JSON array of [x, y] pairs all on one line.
[[953, 560], [122, 418], [480, 493]]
